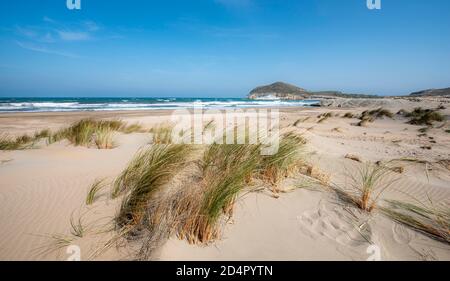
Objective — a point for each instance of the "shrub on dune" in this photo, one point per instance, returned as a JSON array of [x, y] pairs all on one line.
[[421, 116]]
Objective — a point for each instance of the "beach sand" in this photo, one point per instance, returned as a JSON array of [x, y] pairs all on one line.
[[43, 187]]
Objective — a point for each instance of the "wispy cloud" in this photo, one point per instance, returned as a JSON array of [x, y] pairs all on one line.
[[45, 50], [73, 35]]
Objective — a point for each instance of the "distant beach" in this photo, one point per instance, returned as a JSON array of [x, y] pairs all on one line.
[[128, 104]]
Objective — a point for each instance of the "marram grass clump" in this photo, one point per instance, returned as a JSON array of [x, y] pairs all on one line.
[[290, 154], [225, 170], [150, 171], [432, 220], [366, 186], [421, 116], [89, 132]]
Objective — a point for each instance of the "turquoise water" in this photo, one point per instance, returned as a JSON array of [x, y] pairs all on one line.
[[105, 104]]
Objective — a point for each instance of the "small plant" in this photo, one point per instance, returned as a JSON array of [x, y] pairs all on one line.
[[77, 228], [224, 171], [87, 132], [289, 156], [366, 187], [146, 175], [42, 134], [348, 115], [162, 134], [18, 143], [93, 191], [6, 143], [324, 117], [429, 219], [104, 138], [57, 242], [133, 128], [372, 115], [421, 116]]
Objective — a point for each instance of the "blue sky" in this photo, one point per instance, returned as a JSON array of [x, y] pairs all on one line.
[[221, 48]]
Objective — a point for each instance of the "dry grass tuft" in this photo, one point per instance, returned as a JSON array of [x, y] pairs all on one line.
[[353, 157], [431, 220], [285, 162], [162, 134], [103, 138], [366, 186], [146, 175], [324, 117], [349, 115], [421, 116]]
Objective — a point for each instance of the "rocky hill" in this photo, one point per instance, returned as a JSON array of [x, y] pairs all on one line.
[[432, 93], [279, 90], [283, 90]]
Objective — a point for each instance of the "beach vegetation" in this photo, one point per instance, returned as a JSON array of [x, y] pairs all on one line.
[[420, 116], [93, 191], [366, 186], [430, 219]]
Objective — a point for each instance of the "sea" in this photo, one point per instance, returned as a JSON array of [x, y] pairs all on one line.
[[128, 104]]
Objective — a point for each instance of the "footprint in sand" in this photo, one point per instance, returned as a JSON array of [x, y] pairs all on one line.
[[334, 224]]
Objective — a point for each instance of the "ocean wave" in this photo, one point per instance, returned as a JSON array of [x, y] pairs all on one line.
[[152, 104]]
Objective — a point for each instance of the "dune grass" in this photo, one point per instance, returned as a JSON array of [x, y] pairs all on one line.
[[370, 116], [103, 138], [290, 154], [430, 219], [21, 142], [88, 132], [195, 208], [420, 116], [324, 117], [93, 191], [225, 170], [348, 115], [56, 242], [162, 134], [149, 172], [133, 128], [8, 143], [77, 228], [366, 187]]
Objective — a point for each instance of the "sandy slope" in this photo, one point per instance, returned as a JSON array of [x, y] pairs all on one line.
[[41, 188]]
